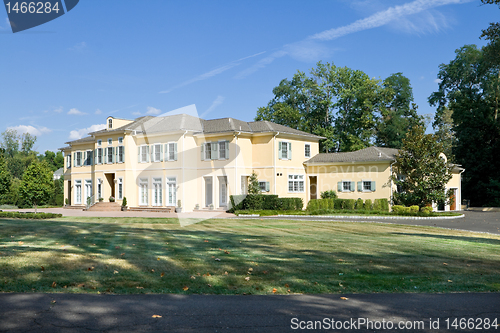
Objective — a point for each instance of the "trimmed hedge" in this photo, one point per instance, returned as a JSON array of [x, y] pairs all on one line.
[[264, 202], [381, 205], [360, 204], [368, 204], [37, 216]]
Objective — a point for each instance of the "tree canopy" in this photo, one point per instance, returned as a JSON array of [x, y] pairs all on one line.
[[420, 173], [347, 107], [37, 185]]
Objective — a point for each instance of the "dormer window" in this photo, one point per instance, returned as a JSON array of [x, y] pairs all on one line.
[[110, 123]]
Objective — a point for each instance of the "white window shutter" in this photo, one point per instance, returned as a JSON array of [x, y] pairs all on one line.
[[360, 186], [161, 153], [227, 149], [202, 151], [215, 150], [352, 186], [339, 187], [289, 151], [165, 152], [267, 186], [113, 152], [147, 153], [279, 150], [175, 151], [373, 186], [139, 154]]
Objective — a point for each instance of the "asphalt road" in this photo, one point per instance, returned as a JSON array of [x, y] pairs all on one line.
[[472, 221], [215, 313]]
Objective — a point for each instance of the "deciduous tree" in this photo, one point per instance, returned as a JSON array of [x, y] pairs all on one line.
[[37, 186]]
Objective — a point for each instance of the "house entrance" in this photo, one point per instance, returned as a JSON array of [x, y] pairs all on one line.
[[110, 178], [69, 192], [313, 187], [222, 191], [453, 200]]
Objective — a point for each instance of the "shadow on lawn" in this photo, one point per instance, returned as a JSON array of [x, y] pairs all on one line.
[[454, 238], [130, 258]]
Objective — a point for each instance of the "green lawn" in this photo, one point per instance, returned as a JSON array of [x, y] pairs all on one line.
[[139, 255]]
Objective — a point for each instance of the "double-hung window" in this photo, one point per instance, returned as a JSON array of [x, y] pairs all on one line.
[[264, 186], [120, 154], [98, 156], [88, 158], [78, 159], [110, 156], [296, 183], [284, 150], [156, 153], [171, 151], [345, 186], [68, 161], [215, 150], [307, 150], [366, 186], [78, 192], [143, 191], [143, 154]]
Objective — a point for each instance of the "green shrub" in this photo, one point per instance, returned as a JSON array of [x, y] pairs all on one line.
[[290, 203], [338, 204], [426, 210], [381, 205], [368, 204], [414, 209], [330, 203], [37, 216], [269, 201], [313, 204], [124, 202], [359, 204], [253, 201], [236, 202], [328, 194], [349, 204], [398, 209]]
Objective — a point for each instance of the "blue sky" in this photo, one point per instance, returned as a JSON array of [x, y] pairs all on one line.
[[132, 58]]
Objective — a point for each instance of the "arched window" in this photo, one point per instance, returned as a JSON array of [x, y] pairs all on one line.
[[110, 123]]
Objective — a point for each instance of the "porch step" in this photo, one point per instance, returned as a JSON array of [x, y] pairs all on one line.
[[153, 209], [106, 207]]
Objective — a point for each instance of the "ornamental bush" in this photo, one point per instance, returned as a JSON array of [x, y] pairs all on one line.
[[359, 204]]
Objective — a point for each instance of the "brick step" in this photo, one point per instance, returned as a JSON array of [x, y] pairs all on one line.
[[153, 209], [106, 207]]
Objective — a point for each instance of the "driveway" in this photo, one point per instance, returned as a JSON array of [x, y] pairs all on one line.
[[273, 313]]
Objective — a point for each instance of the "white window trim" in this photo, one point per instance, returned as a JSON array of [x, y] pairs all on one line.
[[363, 185], [305, 151], [110, 143], [167, 182], [141, 147], [226, 149], [78, 182], [350, 185], [99, 186], [120, 182], [153, 153], [167, 151], [107, 155], [296, 180], [118, 154], [143, 181], [76, 158], [99, 142], [153, 182], [288, 152], [120, 140]]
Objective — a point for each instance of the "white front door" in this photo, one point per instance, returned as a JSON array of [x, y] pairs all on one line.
[[88, 190], [208, 191], [222, 191], [172, 187], [78, 192], [157, 192]]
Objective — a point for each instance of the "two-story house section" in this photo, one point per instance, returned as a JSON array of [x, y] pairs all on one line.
[[159, 161]]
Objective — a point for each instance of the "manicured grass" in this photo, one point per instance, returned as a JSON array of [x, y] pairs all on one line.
[[139, 255]]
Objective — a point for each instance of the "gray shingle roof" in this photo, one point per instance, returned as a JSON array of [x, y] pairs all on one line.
[[82, 140], [369, 154], [150, 125]]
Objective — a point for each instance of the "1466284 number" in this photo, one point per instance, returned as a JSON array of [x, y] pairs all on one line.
[[32, 7], [471, 323]]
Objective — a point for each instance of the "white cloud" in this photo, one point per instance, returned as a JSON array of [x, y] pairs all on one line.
[[78, 134], [76, 112], [59, 109], [218, 101], [383, 17], [79, 47], [98, 111], [438, 81], [136, 113], [153, 111], [21, 129]]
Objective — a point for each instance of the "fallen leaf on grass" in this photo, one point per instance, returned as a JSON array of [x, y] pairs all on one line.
[[226, 273], [286, 285], [209, 285], [445, 264], [247, 278], [250, 269], [54, 284], [206, 241], [153, 270], [275, 290], [343, 260], [193, 277], [156, 316], [344, 298], [53, 302], [158, 258], [117, 247], [450, 281], [115, 272], [185, 288], [43, 268], [162, 274], [226, 252], [208, 274], [140, 287], [21, 243], [122, 254]]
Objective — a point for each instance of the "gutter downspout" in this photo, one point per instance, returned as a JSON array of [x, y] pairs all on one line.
[[183, 153], [236, 162], [274, 159]]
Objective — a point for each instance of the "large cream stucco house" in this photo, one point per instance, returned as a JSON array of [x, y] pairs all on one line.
[[156, 161]]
